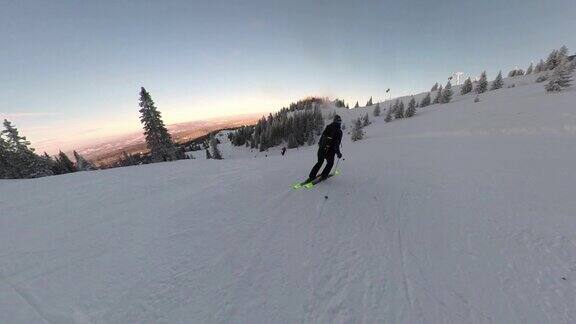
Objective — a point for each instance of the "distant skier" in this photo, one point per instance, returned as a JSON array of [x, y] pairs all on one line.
[[283, 150], [328, 146]]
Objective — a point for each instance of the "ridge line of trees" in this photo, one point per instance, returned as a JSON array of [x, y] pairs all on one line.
[[18, 159], [296, 125]]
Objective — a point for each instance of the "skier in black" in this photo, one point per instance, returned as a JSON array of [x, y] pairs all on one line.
[[328, 146]]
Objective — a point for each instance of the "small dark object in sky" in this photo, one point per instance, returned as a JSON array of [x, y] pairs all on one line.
[[325, 197], [563, 278]]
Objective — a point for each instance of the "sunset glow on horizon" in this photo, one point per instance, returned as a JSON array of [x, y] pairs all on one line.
[[72, 70]]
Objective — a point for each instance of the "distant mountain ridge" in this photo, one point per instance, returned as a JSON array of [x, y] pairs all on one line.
[[111, 149]]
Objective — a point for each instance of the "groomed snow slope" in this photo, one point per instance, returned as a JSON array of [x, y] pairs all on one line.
[[462, 214]]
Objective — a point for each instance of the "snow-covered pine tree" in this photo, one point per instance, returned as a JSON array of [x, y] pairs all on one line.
[[512, 73], [15, 145], [82, 164], [555, 57], [310, 130], [438, 98], [292, 143], [541, 66], [562, 53], [356, 105], [369, 103], [426, 100], [157, 137], [551, 61], [365, 120], [310, 140], [447, 93], [50, 163], [357, 131], [388, 117], [318, 120], [498, 82], [339, 103], [466, 87], [411, 111], [262, 143], [35, 166], [127, 159], [216, 155], [482, 85], [40, 166], [24, 163], [305, 119], [14, 140], [395, 105], [181, 153], [519, 72], [49, 160], [208, 155], [530, 69], [399, 110], [241, 136], [6, 160], [561, 76], [435, 87], [376, 112], [66, 165]]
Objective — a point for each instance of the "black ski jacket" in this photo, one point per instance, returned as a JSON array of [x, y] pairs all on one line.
[[330, 139]]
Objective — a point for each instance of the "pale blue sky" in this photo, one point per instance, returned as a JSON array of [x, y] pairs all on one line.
[[71, 70]]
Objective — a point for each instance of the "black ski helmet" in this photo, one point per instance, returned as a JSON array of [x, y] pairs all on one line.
[[337, 119]]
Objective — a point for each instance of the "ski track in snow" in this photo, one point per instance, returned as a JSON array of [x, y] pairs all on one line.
[[463, 214]]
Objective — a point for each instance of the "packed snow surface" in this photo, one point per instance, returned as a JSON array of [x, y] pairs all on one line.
[[463, 214]]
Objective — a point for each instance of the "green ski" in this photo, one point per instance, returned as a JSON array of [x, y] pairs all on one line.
[[319, 179], [303, 184], [316, 180]]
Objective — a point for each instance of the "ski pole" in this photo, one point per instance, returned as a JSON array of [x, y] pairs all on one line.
[[338, 161]]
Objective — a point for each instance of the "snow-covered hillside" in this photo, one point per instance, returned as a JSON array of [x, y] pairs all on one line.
[[462, 214]]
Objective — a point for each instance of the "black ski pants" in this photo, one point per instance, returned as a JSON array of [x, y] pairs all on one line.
[[323, 155]]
